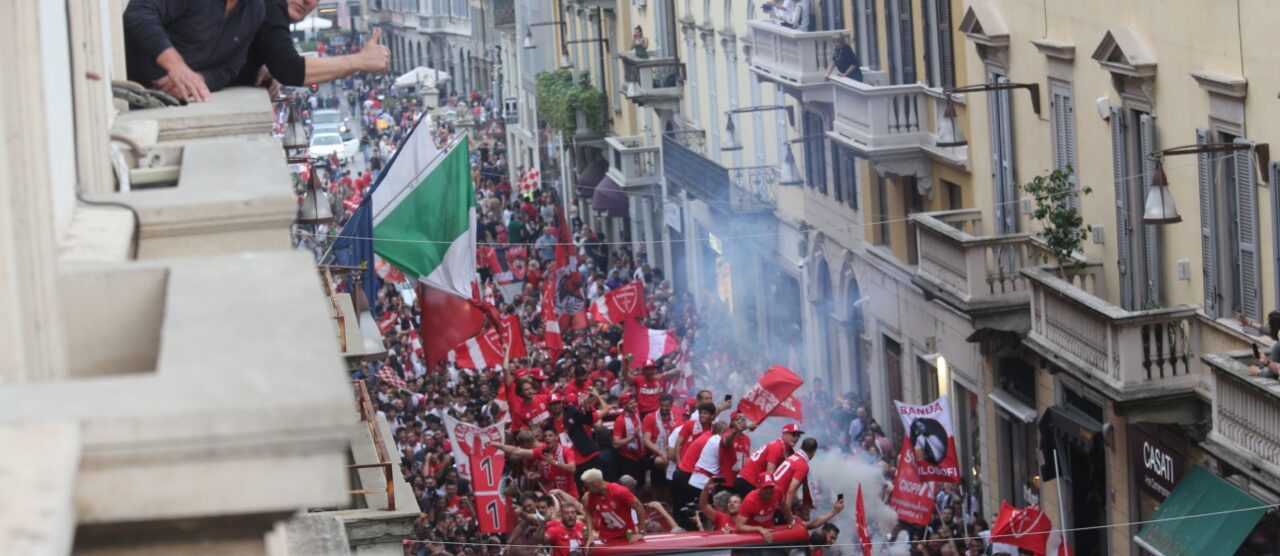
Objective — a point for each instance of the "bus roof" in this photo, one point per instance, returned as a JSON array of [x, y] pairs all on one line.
[[674, 543]]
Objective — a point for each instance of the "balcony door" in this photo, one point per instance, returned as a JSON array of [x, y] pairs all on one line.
[[1001, 120]]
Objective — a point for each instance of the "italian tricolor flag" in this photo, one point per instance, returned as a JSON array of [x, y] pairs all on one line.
[[424, 213]]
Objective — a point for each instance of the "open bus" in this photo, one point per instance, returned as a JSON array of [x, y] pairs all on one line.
[[711, 543]]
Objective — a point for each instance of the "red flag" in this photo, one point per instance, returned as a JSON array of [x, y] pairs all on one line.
[[578, 320], [644, 344], [388, 375], [1026, 528], [776, 385], [1057, 545], [550, 322], [622, 303], [864, 534], [929, 429], [487, 464], [446, 322], [913, 498], [490, 348], [388, 322], [566, 253], [790, 408]]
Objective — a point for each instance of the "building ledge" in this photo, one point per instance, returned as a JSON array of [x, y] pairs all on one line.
[[232, 195], [39, 466], [234, 111], [98, 234], [1055, 49], [1234, 86], [246, 411]]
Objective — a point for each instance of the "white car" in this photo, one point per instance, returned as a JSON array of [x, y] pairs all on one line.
[[325, 144], [350, 145]]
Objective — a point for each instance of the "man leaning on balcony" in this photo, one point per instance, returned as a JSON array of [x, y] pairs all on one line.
[[1267, 366], [845, 61], [273, 55], [189, 48]]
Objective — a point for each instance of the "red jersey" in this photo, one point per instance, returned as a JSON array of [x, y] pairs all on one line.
[[689, 457], [604, 375], [648, 390], [565, 540], [629, 425], [733, 456], [773, 452], [722, 522], [611, 513], [658, 429], [525, 414], [796, 466], [552, 476], [757, 511]]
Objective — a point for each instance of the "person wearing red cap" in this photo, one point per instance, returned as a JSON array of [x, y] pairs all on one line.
[[766, 459], [793, 476], [648, 386], [627, 441], [755, 515]]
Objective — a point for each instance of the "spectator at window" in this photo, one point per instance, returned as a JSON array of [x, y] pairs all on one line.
[[189, 48]]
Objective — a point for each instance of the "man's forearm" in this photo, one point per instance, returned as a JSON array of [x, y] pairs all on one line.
[[322, 70]]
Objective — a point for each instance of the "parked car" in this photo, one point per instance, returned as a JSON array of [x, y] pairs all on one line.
[[350, 145]]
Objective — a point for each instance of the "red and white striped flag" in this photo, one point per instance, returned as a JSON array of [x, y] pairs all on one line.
[[644, 344], [388, 375], [529, 182], [489, 349], [551, 322], [622, 303]]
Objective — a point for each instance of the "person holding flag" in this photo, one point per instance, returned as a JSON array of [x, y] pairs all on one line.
[[767, 459]]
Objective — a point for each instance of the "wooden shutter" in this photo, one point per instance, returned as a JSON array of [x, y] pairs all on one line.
[[906, 42], [1247, 229], [1001, 159], [1124, 226], [1208, 225], [946, 54], [868, 43], [1151, 247], [1064, 136], [1273, 172]]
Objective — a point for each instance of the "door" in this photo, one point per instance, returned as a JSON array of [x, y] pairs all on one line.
[[893, 381]]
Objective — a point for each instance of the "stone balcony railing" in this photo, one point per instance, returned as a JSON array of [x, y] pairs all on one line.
[[892, 121], [452, 25], [969, 269], [1246, 412], [1129, 354], [693, 139], [633, 161], [657, 81], [790, 57]]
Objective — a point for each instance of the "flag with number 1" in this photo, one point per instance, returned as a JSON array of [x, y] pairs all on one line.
[[487, 464]]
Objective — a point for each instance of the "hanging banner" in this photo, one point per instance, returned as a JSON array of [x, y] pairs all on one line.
[[913, 498], [487, 464], [464, 437], [932, 440]]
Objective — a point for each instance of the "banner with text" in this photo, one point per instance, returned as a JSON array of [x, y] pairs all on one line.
[[931, 439]]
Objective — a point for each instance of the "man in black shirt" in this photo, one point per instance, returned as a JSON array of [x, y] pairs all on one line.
[[273, 49], [188, 48]]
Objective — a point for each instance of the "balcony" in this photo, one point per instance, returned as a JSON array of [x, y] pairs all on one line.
[[973, 272], [657, 82], [891, 122], [693, 139], [1127, 355], [633, 162], [446, 24], [753, 189], [789, 57], [1246, 414]]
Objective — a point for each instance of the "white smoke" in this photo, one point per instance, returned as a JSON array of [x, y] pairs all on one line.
[[834, 473]]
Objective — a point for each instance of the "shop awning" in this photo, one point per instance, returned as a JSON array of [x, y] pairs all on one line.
[[610, 199], [589, 178], [1203, 515]]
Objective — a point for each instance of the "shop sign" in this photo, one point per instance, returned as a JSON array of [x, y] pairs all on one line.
[[1156, 467]]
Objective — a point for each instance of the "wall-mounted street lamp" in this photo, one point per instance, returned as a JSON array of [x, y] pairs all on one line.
[[956, 136], [1158, 207], [315, 209], [528, 31], [730, 141], [789, 173]]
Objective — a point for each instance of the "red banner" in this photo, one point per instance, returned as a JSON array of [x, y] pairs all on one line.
[[790, 408], [931, 439], [765, 397], [864, 534], [551, 322], [913, 498], [487, 464]]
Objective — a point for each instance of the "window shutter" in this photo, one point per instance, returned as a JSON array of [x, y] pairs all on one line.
[[1151, 246], [1273, 171], [946, 54], [1247, 226], [1124, 256], [906, 42], [1208, 225]]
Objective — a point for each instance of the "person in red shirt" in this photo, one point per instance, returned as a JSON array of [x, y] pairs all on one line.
[[720, 521], [627, 440], [690, 448], [613, 512], [793, 475], [648, 385], [735, 448], [529, 409], [657, 426], [766, 459], [756, 513], [553, 460], [566, 535]]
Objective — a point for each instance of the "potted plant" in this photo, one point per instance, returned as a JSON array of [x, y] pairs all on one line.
[[1061, 226]]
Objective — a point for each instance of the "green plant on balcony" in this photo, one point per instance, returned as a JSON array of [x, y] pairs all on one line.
[[1061, 227], [559, 98]]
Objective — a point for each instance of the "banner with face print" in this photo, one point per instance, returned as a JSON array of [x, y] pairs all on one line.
[[932, 440]]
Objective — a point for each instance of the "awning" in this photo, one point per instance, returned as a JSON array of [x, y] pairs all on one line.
[[1072, 425], [422, 76], [589, 178], [610, 199], [1016, 408], [1203, 515]]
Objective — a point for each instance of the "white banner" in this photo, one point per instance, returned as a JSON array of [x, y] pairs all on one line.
[[932, 439], [466, 437]]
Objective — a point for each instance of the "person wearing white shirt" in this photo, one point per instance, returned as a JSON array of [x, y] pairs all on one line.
[[708, 464]]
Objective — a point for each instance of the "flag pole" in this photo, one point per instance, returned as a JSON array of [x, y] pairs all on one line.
[[1062, 512]]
